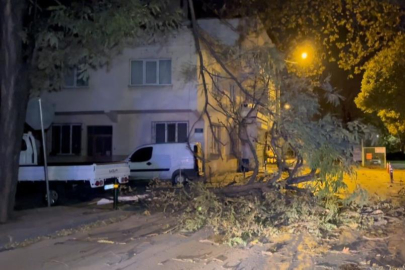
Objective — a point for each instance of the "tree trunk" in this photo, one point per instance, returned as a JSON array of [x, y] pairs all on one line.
[[13, 102]]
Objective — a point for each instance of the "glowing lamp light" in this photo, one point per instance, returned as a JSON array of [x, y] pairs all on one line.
[[304, 55], [287, 106]]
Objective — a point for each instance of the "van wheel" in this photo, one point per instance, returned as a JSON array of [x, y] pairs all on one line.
[[53, 195], [179, 179]]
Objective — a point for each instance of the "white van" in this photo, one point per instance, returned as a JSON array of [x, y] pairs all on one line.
[[166, 161]]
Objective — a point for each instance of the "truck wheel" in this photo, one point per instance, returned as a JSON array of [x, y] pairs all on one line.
[[179, 179], [54, 197]]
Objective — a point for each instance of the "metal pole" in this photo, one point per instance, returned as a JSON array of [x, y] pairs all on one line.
[[116, 186], [391, 173], [44, 150], [362, 153]]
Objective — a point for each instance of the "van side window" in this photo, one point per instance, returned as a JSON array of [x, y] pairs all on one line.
[[142, 155], [23, 146]]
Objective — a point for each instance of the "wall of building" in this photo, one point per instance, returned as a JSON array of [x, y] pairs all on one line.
[[130, 110], [129, 130], [110, 90], [110, 100]]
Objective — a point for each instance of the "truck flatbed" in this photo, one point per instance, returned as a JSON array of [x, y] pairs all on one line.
[[83, 160], [69, 170]]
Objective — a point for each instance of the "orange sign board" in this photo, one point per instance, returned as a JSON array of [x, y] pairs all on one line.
[[380, 150], [369, 156]]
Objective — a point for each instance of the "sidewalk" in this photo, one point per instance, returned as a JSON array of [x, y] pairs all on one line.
[[40, 222]]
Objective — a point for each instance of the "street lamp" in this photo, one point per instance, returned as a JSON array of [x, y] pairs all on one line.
[[303, 53], [303, 57], [287, 106]]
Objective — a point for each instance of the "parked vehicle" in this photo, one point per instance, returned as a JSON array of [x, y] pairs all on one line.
[[376, 161], [61, 176], [168, 161]]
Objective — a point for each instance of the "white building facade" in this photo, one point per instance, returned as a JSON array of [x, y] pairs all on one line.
[[148, 94]]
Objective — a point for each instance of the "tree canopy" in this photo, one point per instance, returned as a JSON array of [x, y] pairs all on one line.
[[382, 89], [85, 34], [349, 32], [362, 37], [43, 39]]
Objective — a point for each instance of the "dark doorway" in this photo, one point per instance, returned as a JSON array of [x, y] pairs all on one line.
[[99, 141]]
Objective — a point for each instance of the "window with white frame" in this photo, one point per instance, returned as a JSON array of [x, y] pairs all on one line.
[[169, 132], [66, 139], [215, 146], [151, 72], [72, 78]]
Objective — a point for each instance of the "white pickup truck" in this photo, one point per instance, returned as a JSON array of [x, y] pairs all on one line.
[[62, 176]]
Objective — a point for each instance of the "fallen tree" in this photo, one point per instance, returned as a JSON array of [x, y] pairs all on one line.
[[266, 204], [322, 146], [239, 220]]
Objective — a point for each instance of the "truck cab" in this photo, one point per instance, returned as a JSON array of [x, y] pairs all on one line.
[[29, 153]]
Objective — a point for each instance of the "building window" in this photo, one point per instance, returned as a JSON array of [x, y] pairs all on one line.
[[215, 146], [72, 79], [170, 132], [151, 72], [66, 139]]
